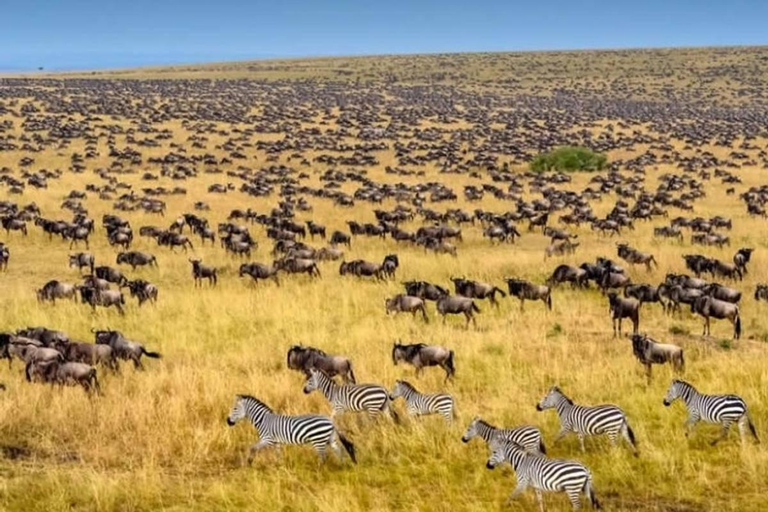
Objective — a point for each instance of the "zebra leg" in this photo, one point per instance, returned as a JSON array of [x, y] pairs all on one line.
[[522, 485], [561, 434], [255, 448], [573, 496], [320, 449], [690, 423], [723, 433], [335, 447], [581, 441], [540, 500]]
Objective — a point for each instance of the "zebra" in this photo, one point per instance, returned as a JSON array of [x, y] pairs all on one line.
[[544, 474], [586, 420], [419, 404], [723, 409], [277, 429], [351, 397], [528, 437]]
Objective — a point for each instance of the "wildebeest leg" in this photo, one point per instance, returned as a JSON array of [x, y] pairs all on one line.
[[648, 372], [635, 323], [522, 301]]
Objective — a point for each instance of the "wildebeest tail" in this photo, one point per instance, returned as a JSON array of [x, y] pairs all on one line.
[[737, 325], [549, 301], [154, 355], [348, 446], [449, 363], [497, 289], [475, 308]]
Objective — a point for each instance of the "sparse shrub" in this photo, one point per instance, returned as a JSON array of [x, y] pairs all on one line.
[[725, 344], [569, 159], [555, 331], [679, 330]]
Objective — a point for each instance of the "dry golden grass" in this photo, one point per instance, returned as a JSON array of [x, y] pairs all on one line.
[[157, 440]]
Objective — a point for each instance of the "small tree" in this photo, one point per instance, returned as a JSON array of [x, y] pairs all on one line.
[[569, 159]]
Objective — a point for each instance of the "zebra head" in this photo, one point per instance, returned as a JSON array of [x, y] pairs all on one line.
[[551, 399], [674, 392], [238, 411], [313, 381], [499, 449], [472, 430], [399, 390]]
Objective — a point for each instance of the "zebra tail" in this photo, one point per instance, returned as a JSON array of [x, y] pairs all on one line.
[[630, 433], [752, 427], [591, 494], [347, 446], [352, 374], [542, 448]]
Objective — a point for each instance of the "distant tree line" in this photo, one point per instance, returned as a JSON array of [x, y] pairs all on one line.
[[569, 159]]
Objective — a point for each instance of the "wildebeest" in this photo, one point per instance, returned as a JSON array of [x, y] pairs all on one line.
[[297, 266], [316, 229], [560, 248], [635, 257], [525, 290], [54, 289], [361, 268], [406, 303], [613, 280], [89, 353], [709, 307], [200, 272], [124, 348], [420, 355], [5, 256], [72, 373], [650, 352], [720, 268], [425, 290], [566, 273], [303, 359], [389, 265], [111, 275], [81, 259], [136, 259], [13, 224], [105, 298], [457, 305], [645, 293], [476, 289], [741, 258], [143, 290], [328, 254], [623, 308], [761, 292], [697, 263], [337, 237], [259, 271], [721, 292]]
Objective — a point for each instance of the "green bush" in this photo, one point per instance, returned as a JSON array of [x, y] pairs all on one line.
[[570, 159]]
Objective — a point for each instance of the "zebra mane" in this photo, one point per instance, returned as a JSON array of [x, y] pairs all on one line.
[[560, 391], [407, 385], [485, 423], [254, 399], [684, 384]]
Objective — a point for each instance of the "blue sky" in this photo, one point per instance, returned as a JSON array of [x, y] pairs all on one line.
[[66, 34]]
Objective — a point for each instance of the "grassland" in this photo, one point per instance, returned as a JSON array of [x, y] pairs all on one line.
[[157, 440]]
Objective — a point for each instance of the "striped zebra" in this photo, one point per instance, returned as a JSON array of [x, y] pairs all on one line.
[[351, 397], [278, 429], [419, 404], [544, 474], [528, 437], [588, 420], [722, 409]]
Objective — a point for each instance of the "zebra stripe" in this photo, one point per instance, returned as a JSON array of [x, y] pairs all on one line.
[[543, 474], [528, 437], [418, 404], [588, 420], [722, 409], [352, 397], [278, 429]]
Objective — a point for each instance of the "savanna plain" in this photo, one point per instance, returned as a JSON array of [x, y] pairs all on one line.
[[157, 439]]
